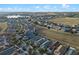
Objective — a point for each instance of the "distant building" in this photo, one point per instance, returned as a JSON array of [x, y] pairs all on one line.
[[14, 16]]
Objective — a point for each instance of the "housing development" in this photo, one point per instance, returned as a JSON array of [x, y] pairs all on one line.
[[39, 33]]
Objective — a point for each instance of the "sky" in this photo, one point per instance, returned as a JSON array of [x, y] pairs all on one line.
[[39, 7]]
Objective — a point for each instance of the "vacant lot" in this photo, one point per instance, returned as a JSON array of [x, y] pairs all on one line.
[[66, 20]]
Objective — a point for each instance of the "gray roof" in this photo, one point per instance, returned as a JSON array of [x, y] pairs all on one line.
[[71, 51], [8, 51]]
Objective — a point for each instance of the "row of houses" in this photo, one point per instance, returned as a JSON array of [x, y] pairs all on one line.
[[8, 51], [5, 47], [53, 47], [12, 29], [43, 17], [4, 41], [65, 28]]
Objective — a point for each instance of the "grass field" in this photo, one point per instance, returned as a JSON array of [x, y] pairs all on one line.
[[68, 38], [66, 20], [3, 27]]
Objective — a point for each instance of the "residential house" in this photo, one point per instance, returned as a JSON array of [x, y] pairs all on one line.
[[54, 46], [67, 28], [71, 51], [46, 44], [40, 41], [57, 51], [8, 51]]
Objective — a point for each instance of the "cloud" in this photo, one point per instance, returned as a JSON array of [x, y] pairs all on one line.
[[47, 7], [14, 9], [65, 6], [8, 9], [37, 7], [75, 9]]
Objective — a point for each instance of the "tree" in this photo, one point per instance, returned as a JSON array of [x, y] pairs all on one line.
[[42, 50]]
